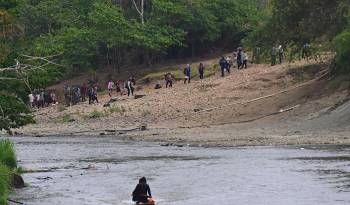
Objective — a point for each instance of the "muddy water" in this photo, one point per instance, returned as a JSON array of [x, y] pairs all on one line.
[[104, 171]]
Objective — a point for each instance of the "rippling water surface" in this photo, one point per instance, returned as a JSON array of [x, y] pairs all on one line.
[[104, 171]]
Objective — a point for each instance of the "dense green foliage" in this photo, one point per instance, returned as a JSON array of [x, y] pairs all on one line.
[[342, 47], [7, 154], [8, 163], [92, 34], [13, 112], [4, 184], [293, 23]]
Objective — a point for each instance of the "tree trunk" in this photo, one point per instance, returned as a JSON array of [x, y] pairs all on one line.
[[193, 48]]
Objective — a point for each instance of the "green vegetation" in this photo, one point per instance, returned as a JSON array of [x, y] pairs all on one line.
[[90, 35], [116, 109], [342, 47], [8, 164], [295, 23], [13, 112], [66, 118], [7, 154], [95, 114]]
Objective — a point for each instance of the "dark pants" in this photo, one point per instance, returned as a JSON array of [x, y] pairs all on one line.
[[245, 65], [281, 57], [273, 60], [239, 64], [83, 97], [169, 83], [130, 91], [187, 79], [92, 99], [143, 199], [222, 71], [201, 75]]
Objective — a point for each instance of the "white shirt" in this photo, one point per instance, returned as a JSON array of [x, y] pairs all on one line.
[[31, 97]]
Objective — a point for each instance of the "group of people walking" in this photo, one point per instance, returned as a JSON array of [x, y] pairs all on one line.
[[76, 94], [41, 98], [277, 51], [122, 87]]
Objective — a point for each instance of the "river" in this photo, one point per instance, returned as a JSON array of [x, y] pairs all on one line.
[[104, 171]]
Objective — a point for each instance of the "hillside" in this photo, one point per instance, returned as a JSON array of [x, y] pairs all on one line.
[[292, 103]]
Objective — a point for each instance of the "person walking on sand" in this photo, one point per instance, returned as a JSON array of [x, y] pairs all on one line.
[[110, 86], [187, 73], [95, 97], [168, 80], [129, 86], [245, 60], [280, 53], [83, 90], [228, 64], [223, 64], [31, 100], [239, 58], [273, 55], [201, 71]]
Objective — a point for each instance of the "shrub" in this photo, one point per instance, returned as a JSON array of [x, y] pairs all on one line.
[[342, 47], [95, 114], [14, 113], [67, 118], [4, 183], [7, 154], [117, 109]]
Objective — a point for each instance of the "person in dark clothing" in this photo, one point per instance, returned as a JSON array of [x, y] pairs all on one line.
[[83, 90], [130, 87], [139, 195], [239, 58], [91, 95], [201, 71], [223, 65], [168, 80]]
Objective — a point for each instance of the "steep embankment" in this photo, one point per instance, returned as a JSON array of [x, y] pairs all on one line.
[[284, 104]]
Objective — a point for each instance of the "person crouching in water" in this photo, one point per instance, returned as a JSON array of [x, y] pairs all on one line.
[[139, 195]]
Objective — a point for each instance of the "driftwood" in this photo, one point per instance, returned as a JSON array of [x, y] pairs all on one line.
[[245, 121]]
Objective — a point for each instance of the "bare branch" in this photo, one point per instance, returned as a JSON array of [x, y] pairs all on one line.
[[137, 8], [5, 78], [140, 11], [42, 58], [2, 112]]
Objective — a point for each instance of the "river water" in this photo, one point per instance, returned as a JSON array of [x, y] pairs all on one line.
[[104, 171]]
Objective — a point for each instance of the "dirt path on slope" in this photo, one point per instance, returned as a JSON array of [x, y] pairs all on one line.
[[178, 115]]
